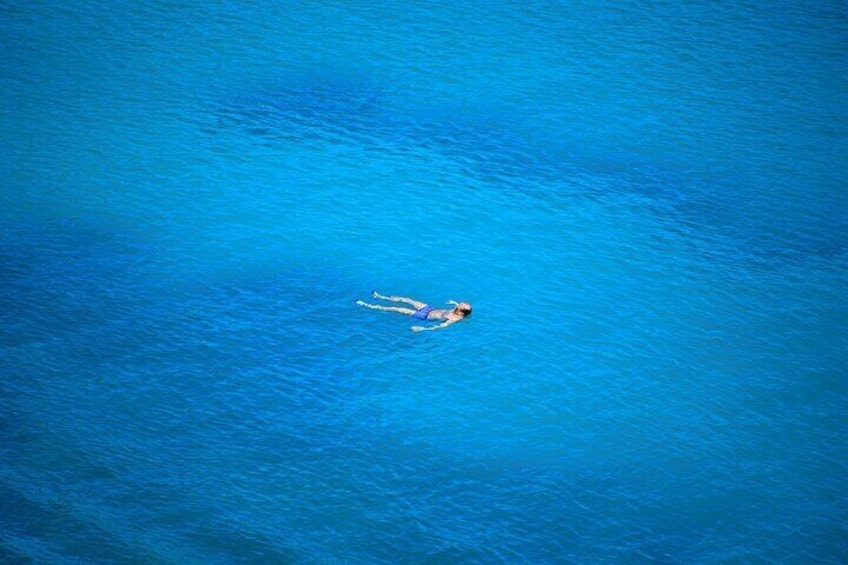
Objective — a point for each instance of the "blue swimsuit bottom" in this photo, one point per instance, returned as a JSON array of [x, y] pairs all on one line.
[[421, 313]]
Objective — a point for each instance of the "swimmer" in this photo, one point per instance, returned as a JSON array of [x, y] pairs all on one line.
[[421, 311]]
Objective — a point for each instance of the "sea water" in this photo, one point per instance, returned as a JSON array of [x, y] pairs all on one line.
[[645, 203]]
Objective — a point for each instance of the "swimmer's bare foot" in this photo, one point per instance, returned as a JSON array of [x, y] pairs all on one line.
[[375, 294]]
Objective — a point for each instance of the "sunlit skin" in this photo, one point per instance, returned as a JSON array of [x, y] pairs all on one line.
[[422, 311]]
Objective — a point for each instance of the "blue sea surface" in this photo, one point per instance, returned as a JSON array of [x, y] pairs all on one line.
[[645, 203]]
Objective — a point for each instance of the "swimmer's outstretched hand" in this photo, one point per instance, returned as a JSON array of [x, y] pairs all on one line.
[[418, 328]]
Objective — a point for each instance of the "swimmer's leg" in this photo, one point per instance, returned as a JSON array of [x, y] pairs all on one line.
[[414, 303], [397, 309]]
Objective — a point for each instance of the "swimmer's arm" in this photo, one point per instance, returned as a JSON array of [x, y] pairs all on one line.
[[444, 324]]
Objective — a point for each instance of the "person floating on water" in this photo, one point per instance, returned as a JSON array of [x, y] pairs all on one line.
[[422, 311]]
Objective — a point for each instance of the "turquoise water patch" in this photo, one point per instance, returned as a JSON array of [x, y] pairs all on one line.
[[644, 205]]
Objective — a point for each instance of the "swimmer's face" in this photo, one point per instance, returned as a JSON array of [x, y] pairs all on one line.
[[463, 309]]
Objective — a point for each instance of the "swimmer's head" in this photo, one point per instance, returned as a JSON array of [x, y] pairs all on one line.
[[463, 309]]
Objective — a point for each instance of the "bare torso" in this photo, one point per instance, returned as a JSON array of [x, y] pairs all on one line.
[[441, 314]]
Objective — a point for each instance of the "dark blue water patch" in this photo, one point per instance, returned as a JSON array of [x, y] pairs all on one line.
[[31, 522], [439, 507], [239, 546], [13, 556], [58, 275], [105, 484], [500, 153], [491, 147], [732, 234], [81, 497], [488, 147]]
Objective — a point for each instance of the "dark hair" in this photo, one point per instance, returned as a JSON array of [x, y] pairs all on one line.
[[465, 311]]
